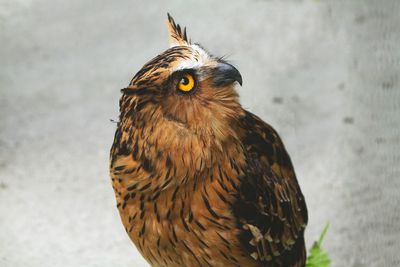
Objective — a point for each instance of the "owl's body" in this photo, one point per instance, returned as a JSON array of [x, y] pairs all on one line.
[[198, 180]]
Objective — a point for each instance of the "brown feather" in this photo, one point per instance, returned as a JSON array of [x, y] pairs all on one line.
[[198, 180]]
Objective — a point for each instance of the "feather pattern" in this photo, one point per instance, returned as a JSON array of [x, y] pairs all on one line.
[[270, 207], [177, 36], [198, 180]]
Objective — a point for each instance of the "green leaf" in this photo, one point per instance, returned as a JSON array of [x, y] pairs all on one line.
[[318, 257]]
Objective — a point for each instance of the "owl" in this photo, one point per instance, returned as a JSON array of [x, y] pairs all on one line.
[[198, 180]]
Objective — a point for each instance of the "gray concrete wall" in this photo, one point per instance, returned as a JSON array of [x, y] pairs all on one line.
[[324, 73]]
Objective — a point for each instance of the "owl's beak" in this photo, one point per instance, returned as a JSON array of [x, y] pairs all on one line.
[[225, 74]]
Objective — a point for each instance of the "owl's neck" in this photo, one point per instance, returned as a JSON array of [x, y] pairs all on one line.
[[161, 153]]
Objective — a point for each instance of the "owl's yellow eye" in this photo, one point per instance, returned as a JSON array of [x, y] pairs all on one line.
[[186, 83]]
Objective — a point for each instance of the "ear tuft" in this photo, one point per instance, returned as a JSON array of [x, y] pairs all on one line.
[[177, 37]]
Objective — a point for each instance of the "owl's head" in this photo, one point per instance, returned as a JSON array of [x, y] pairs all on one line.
[[185, 86]]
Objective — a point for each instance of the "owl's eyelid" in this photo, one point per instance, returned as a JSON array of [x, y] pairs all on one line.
[[185, 71], [179, 74]]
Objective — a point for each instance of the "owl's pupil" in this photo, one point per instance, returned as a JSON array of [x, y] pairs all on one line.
[[185, 81]]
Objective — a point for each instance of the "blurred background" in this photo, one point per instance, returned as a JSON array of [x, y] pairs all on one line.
[[325, 74]]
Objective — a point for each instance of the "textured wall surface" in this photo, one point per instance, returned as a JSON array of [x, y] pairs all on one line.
[[324, 73]]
